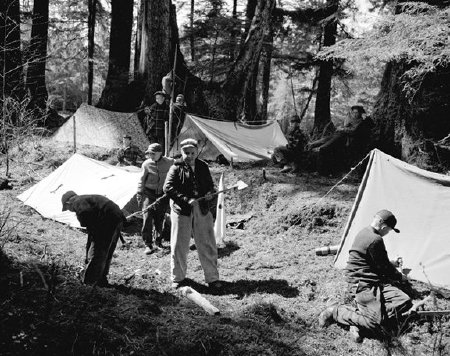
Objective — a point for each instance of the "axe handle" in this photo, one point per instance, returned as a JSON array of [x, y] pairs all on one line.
[[148, 207], [216, 193]]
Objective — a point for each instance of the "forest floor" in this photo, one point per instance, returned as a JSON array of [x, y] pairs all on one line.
[[275, 285]]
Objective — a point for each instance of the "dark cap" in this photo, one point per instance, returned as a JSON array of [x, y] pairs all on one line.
[[66, 197], [189, 142], [388, 218], [127, 136], [360, 108], [153, 148], [159, 92]]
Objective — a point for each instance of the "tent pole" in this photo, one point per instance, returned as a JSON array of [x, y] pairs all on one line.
[[172, 99], [74, 135]]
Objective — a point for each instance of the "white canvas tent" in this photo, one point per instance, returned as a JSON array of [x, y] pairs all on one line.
[[237, 142], [101, 128], [84, 176], [421, 202]]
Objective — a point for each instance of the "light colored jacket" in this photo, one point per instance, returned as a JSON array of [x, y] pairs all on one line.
[[154, 174]]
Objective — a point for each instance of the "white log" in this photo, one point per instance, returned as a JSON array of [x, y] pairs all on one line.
[[198, 299]]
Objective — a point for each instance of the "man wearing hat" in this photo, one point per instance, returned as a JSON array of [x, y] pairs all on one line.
[[289, 156], [150, 188], [103, 221], [189, 185], [344, 144], [372, 281], [156, 116], [179, 114], [129, 154]]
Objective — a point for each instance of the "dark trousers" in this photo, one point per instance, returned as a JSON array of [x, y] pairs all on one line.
[[377, 309], [104, 241], [152, 217]]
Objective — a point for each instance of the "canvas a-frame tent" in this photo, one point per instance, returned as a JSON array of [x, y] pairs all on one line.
[[102, 128], [420, 200], [237, 142], [83, 175]]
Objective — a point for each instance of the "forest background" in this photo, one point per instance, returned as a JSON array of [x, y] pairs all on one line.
[[250, 61]]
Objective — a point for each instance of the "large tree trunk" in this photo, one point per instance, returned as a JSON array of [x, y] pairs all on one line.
[[37, 58], [322, 115], [154, 53], [11, 69], [92, 7], [114, 96], [239, 98], [408, 126]]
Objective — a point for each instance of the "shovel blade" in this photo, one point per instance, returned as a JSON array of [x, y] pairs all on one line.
[[240, 185]]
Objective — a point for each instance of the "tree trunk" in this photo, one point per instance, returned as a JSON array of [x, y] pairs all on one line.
[[234, 32], [92, 9], [266, 69], [249, 14], [408, 127], [154, 54], [11, 69], [38, 55], [322, 115], [241, 78], [114, 96], [191, 35]]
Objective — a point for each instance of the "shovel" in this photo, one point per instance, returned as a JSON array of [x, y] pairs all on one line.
[[239, 186]]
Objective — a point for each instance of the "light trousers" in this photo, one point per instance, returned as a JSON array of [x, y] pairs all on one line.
[[202, 229]]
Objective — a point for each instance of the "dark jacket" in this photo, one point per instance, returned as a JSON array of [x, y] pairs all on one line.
[[155, 120], [368, 260], [181, 186], [97, 213]]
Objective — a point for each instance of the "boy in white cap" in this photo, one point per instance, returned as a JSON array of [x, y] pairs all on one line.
[[186, 182], [372, 278], [150, 188]]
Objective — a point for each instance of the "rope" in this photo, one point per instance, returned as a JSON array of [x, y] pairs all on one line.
[[335, 185], [344, 177]]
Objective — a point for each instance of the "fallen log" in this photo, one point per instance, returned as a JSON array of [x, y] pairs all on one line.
[[198, 299], [426, 313]]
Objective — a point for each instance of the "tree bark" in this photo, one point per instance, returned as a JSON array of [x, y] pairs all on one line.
[[35, 80], [92, 9], [408, 127], [266, 69], [11, 68], [154, 53], [191, 35], [322, 115], [239, 98], [114, 96]]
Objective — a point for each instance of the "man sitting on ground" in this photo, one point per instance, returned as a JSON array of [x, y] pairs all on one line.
[[337, 148], [129, 155], [372, 281], [289, 155]]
